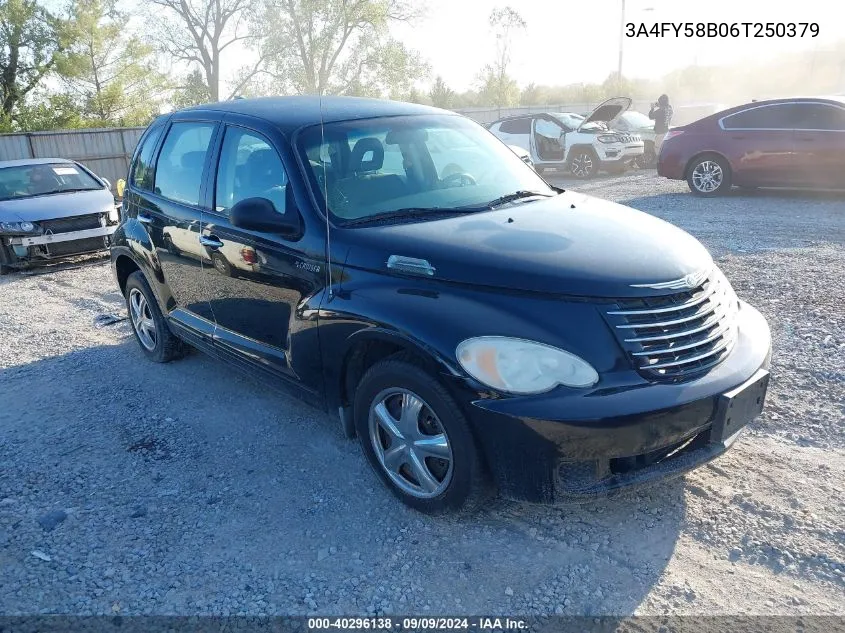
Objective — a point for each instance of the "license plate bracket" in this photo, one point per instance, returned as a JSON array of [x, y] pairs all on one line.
[[739, 406]]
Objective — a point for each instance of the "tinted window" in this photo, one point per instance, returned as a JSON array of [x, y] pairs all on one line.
[[178, 173], [774, 117], [141, 174], [249, 168], [516, 126], [817, 116]]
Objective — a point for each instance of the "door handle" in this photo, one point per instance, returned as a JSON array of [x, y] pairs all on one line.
[[143, 218], [210, 241]]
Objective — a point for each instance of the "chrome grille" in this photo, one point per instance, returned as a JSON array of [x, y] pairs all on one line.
[[75, 223], [680, 336]]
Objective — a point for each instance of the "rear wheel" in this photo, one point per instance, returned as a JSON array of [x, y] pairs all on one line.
[[584, 163], [417, 440], [709, 175], [151, 330]]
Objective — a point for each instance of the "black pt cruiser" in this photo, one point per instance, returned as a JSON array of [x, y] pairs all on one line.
[[478, 329]]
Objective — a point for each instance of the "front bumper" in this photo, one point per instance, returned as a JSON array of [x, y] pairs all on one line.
[[72, 236], [619, 152], [574, 446]]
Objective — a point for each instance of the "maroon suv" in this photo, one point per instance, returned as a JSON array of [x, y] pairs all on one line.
[[777, 143]]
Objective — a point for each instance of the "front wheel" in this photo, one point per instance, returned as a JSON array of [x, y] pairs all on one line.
[[584, 163], [417, 440], [709, 175]]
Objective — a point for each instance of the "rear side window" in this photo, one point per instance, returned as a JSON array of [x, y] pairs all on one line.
[[516, 126], [249, 168], [141, 174], [774, 117], [818, 116], [178, 173]]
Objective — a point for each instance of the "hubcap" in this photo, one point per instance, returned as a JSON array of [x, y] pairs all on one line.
[[707, 176], [220, 265], [410, 443], [582, 165], [142, 319]]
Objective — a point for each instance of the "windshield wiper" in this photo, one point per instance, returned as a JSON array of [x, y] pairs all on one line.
[[516, 195], [411, 213]]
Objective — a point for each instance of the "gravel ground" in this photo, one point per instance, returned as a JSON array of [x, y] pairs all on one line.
[[128, 487]]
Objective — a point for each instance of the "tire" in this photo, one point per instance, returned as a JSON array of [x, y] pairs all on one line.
[[161, 346], [584, 163], [221, 264], [5, 260], [709, 175], [456, 481]]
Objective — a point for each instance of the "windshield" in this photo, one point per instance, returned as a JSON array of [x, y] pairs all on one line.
[[26, 181], [637, 120], [431, 163]]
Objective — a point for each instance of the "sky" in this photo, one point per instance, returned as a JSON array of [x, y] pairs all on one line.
[[568, 41]]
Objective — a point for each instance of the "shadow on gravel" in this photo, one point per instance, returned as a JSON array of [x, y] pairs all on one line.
[[188, 487]]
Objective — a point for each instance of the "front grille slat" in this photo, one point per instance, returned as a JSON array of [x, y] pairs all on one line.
[[74, 223], [678, 337]]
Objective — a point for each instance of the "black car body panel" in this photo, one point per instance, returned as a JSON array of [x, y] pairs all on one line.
[[308, 312]]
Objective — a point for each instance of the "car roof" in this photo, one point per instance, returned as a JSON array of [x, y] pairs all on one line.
[[760, 102], [290, 113], [32, 161]]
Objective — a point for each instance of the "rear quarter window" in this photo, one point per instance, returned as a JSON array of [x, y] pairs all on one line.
[[516, 126]]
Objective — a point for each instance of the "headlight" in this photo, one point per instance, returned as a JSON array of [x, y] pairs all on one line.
[[18, 227], [517, 366], [608, 138]]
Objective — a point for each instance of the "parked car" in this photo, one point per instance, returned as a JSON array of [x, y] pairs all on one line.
[[580, 145], [776, 143], [639, 124], [52, 208], [478, 330]]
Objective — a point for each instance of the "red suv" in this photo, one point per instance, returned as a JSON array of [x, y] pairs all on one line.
[[777, 143]]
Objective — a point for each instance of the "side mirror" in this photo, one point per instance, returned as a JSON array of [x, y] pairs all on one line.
[[259, 214]]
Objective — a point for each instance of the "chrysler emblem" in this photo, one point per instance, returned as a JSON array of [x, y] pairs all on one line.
[[684, 283]]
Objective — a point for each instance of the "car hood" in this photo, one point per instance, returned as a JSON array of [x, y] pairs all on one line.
[[608, 111], [571, 244], [60, 205]]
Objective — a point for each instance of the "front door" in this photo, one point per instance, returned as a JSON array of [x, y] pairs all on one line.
[[760, 144], [170, 211], [548, 135], [256, 280], [820, 145]]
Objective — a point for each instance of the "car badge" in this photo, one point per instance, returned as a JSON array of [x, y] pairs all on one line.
[[687, 282]]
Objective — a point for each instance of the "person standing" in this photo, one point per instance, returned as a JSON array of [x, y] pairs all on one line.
[[661, 114]]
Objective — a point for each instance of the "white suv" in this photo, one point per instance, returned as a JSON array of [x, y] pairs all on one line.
[[580, 145]]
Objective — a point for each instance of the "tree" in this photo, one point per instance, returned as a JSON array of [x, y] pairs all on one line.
[[200, 31], [114, 75], [496, 85], [192, 91], [32, 41], [441, 95], [337, 47]]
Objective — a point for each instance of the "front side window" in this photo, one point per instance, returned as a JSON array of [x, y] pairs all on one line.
[[411, 165], [819, 116], [772, 117], [249, 168], [44, 179], [141, 174], [178, 173]]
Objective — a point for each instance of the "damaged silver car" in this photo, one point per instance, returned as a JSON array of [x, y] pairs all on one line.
[[51, 208]]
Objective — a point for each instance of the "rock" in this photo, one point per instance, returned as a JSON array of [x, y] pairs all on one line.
[[50, 520], [508, 591], [40, 555], [323, 554], [138, 512]]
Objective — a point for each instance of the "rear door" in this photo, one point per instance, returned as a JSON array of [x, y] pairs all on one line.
[[760, 144], [257, 280], [516, 131], [820, 145], [171, 212]]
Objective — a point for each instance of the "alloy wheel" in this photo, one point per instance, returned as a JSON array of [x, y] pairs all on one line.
[[707, 176], [142, 319], [582, 165], [410, 443]]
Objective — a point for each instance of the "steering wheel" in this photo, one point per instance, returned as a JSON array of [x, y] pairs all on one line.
[[460, 179]]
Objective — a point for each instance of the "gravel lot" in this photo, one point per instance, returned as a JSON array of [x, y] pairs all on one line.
[[128, 487]]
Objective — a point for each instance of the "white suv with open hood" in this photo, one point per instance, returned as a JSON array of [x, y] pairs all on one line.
[[568, 141]]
